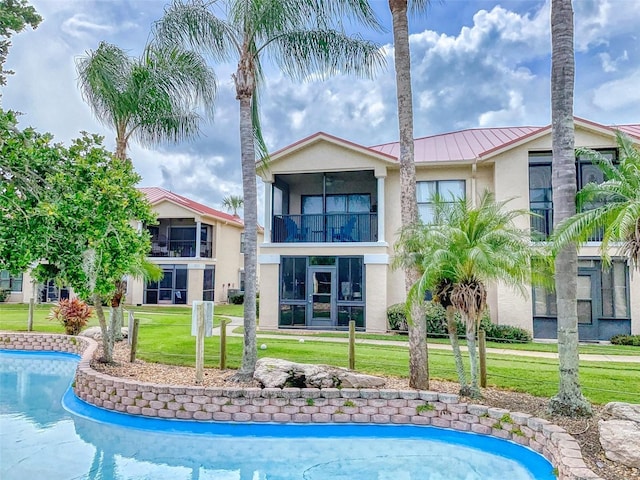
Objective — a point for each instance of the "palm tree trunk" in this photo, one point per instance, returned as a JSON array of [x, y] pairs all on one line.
[[474, 389], [249, 188], [418, 354], [455, 346], [569, 400]]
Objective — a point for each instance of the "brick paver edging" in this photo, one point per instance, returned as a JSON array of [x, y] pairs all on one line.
[[308, 405]]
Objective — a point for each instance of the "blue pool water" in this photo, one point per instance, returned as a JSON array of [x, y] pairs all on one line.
[[41, 439]]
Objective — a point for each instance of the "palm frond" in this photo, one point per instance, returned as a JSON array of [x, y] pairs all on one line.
[[302, 53]]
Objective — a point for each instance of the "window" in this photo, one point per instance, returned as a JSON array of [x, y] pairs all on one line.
[[609, 298], [541, 188], [12, 283], [447, 190], [209, 282], [241, 280], [242, 242]]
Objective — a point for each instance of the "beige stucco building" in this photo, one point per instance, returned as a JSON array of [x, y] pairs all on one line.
[[332, 215], [198, 248]]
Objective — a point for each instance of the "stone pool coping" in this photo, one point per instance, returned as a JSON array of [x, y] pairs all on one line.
[[307, 405]]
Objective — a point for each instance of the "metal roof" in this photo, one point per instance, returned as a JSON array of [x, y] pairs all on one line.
[[466, 145], [156, 195], [459, 146]]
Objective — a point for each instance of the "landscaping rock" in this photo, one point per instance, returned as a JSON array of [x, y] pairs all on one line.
[[96, 333], [620, 433], [275, 373]]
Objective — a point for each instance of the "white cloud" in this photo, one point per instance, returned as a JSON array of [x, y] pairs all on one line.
[[617, 94], [80, 25]]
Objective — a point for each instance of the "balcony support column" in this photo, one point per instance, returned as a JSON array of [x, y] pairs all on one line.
[[268, 211], [381, 209], [198, 239]]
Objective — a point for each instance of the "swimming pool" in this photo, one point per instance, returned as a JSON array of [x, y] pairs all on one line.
[[39, 438]]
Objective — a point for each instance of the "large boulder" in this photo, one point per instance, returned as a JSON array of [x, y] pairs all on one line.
[[272, 372], [620, 433]]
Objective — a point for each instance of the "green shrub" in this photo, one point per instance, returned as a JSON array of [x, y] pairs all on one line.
[[506, 333], [4, 294], [397, 318], [237, 299], [633, 340], [437, 324]]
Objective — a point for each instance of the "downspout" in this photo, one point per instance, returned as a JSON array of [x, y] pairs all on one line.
[[474, 180]]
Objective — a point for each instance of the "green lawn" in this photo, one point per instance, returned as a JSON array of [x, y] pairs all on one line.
[[165, 336]]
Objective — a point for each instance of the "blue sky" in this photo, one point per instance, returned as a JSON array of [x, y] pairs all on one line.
[[476, 63]]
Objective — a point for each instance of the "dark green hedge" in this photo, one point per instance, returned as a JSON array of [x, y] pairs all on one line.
[[437, 325], [633, 340]]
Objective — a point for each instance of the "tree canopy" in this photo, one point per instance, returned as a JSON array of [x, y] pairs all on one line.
[[15, 15]]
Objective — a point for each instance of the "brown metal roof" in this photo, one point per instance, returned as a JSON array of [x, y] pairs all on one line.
[[156, 195]]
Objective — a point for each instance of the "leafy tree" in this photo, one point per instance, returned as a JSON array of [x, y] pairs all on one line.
[[27, 158], [152, 99], [232, 203], [15, 15], [94, 240], [459, 253], [74, 211], [616, 201], [569, 400], [298, 36], [418, 353]]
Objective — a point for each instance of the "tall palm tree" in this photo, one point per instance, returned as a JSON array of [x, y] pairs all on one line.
[[152, 99], [418, 353], [232, 203], [460, 252], [298, 37], [569, 400], [617, 212]]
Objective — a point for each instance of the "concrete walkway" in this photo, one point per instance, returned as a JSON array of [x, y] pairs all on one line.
[[587, 357]]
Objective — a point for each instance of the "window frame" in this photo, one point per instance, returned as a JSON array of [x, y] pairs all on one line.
[[436, 191]]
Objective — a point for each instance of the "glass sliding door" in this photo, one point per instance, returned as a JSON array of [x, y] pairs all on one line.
[[322, 297]]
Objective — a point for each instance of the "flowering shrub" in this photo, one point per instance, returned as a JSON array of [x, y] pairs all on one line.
[[72, 314]]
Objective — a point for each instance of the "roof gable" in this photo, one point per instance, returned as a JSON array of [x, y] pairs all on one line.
[[155, 195]]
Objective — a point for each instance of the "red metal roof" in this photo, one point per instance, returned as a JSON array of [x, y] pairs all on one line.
[[156, 195], [633, 130], [459, 146], [466, 145]]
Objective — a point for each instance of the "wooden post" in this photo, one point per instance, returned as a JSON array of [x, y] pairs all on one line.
[[200, 345], [223, 343], [482, 346], [133, 334], [30, 319], [352, 344]]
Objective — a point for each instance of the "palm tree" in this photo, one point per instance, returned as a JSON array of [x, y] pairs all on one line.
[[298, 37], [418, 353], [617, 200], [152, 99], [569, 400], [459, 253], [232, 203]]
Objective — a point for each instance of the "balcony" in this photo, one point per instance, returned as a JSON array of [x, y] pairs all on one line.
[[179, 237], [325, 228], [180, 248]]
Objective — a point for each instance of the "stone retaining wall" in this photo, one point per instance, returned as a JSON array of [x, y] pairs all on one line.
[[309, 405]]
